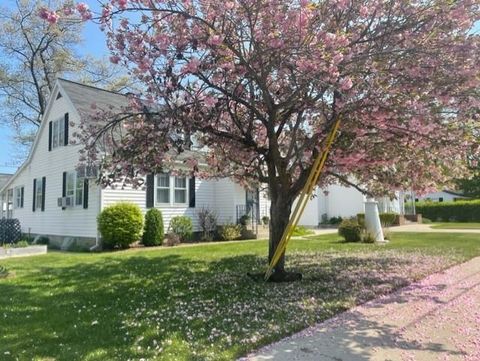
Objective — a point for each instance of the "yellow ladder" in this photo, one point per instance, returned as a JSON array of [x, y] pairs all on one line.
[[303, 199]]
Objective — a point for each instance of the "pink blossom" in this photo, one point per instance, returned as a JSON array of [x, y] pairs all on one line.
[[346, 83]]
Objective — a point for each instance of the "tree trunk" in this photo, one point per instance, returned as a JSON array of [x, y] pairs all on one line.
[[280, 210]]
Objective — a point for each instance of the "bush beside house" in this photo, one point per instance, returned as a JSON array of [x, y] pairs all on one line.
[[120, 225], [459, 211], [182, 227], [153, 232]]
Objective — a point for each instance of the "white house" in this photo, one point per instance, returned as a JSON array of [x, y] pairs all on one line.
[[50, 198], [442, 196], [340, 201]]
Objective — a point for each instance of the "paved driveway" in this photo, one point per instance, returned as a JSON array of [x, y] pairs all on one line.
[[437, 318]]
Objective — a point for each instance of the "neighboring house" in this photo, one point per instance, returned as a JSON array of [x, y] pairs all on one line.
[[50, 198], [442, 196], [4, 177], [345, 202]]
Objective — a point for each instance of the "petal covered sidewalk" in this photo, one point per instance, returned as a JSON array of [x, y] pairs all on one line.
[[437, 318]]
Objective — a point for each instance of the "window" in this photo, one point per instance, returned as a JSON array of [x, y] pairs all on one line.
[[19, 192], [79, 192], [39, 193], [163, 188], [70, 185], [180, 190], [58, 133], [74, 188], [10, 203], [172, 190]]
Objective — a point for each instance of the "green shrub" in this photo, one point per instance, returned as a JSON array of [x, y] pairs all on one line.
[[182, 227], [244, 220], [120, 225], [43, 240], [460, 211], [426, 220], [361, 219], [265, 220], [21, 244], [302, 231], [153, 232], [387, 219], [230, 231], [335, 220], [367, 237], [3, 272], [350, 230]]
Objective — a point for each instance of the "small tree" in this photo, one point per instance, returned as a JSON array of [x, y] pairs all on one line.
[[153, 232], [120, 225], [208, 223]]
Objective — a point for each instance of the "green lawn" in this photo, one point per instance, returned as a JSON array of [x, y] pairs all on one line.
[[456, 225], [196, 302]]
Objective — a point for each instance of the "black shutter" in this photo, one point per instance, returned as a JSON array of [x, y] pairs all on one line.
[[66, 130], [22, 194], [44, 180], [150, 190], [85, 193], [64, 184], [34, 194], [191, 192], [49, 136]]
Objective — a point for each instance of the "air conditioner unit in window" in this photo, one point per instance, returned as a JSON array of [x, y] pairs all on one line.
[[69, 202], [65, 202], [87, 171]]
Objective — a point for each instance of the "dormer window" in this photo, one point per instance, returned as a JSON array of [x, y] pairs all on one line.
[[58, 133]]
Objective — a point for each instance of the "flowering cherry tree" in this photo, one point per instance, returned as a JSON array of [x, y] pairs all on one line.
[[257, 84]]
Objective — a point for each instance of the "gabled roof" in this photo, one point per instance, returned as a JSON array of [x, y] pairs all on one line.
[[82, 97], [455, 193]]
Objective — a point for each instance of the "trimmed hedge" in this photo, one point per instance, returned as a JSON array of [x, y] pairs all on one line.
[[153, 231], [459, 211], [120, 225], [386, 219]]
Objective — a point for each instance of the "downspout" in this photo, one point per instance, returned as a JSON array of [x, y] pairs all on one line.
[[100, 206]]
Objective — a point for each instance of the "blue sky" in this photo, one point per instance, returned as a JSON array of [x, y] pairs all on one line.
[[94, 44]]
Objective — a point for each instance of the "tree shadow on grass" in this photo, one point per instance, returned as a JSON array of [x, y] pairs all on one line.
[[118, 308]]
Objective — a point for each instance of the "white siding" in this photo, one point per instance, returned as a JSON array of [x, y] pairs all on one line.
[[51, 164], [224, 195], [204, 197]]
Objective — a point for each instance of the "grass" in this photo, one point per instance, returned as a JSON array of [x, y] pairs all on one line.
[[456, 225], [196, 302]]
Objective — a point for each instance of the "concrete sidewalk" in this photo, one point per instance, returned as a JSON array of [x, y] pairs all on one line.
[[437, 318]]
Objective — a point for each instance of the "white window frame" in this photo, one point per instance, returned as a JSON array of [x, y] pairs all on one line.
[[17, 194], [171, 192], [79, 189], [74, 189], [184, 189], [58, 133]]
